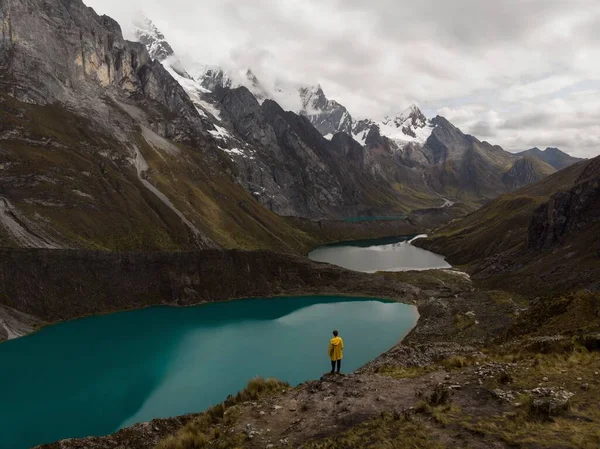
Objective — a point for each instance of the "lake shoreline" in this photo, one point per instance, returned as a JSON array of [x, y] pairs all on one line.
[[165, 361], [277, 274], [434, 337], [31, 322]]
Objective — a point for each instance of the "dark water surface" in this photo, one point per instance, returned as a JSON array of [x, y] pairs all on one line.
[[376, 218], [387, 254], [95, 375]]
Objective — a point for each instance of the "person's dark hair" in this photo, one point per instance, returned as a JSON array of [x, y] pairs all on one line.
[[335, 333]]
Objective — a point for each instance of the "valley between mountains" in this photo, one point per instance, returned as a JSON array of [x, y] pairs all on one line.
[[129, 180]]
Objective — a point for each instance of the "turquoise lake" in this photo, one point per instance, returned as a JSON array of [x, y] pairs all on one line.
[[96, 375]]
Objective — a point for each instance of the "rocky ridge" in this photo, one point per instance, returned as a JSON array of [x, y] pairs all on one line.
[[426, 158]]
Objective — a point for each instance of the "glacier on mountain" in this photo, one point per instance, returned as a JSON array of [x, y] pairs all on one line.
[[327, 116]]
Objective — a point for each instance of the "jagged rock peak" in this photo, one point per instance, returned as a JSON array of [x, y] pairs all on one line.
[[408, 120], [256, 87], [313, 97], [408, 126], [148, 34], [211, 77], [328, 116]]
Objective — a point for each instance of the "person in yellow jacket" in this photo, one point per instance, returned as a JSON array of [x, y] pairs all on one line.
[[336, 352]]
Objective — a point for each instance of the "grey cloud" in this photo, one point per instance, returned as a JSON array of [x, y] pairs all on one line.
[[528, 120], [483, 129], [465, 22]]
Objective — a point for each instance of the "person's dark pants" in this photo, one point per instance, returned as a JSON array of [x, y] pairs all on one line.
[[339, 365]]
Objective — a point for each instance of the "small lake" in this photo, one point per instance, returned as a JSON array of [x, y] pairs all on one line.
[[376, 218], [387, 254], [96, 375]]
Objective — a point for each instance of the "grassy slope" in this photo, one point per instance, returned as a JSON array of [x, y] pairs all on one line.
[[542, 167], [501, 225], [77, 183], [492, 243]]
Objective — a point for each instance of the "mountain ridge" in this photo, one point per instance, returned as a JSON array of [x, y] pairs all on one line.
[[162, 162], [417, 157], [552, 156]]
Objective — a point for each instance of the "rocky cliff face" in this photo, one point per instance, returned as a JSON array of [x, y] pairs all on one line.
[[291, 168], [567, 214], [61, 285], [103, 148]]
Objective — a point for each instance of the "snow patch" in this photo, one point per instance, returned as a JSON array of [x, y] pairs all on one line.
[[234, 151], [447, 203], [82, 194], [361, 137], [237, 152], [220, 133], [195, 91]]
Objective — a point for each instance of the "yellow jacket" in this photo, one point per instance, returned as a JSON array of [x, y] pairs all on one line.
[[336, 348]]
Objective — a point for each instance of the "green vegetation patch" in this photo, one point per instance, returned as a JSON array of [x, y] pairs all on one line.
[[210, 428]]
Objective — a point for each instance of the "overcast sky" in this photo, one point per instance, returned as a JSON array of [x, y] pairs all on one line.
[[518, 73]]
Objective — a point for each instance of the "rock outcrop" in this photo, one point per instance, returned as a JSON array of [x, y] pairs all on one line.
[[566, 214]]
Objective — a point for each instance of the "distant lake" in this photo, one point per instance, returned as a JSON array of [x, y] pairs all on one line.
[[96, 375], [376, 218], [388, 254]]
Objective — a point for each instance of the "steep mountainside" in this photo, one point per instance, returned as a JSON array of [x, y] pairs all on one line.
[[527, 171], [551, 156], [102, 148], [542, 238]]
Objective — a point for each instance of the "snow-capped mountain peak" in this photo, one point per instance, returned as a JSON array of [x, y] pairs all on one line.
[[408, 121], [159, 49], [408, 126], [328, 116], [149, 35], [312, 97], [211, 76]]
